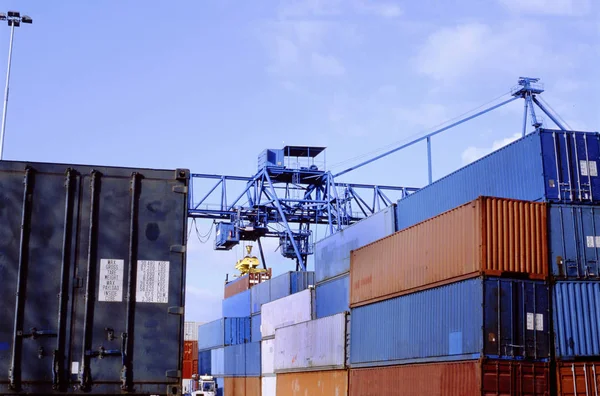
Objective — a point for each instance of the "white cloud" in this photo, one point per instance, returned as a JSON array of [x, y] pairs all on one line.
[[450, 54], [549, 7], [473, 153], [326, 65]]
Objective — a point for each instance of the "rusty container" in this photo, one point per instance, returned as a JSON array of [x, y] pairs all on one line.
[[313, 383], [242, 386], [465, 378], [190, 350], [578, 378], [488, 236], [245, 282]]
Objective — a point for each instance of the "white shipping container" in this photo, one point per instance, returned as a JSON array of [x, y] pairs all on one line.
[[269, 386], [188, 385], [293, 309], [190, 331], [316, 345], [217, 361], [267, 357]]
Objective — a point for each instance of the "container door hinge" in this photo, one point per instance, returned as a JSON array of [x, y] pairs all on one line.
[[176, 310], [173, 374], [180, 189], [177, 248]]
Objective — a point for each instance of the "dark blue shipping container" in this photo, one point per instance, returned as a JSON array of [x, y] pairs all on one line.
[[237, 305], [255, 328], [204, 360], [223, 332], [495, 318], [333, 296], [576, 311], [574, 235], [546, 165]]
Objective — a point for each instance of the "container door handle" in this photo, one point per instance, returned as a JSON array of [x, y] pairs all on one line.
[[574, 379], [595, 379], [585, 375]]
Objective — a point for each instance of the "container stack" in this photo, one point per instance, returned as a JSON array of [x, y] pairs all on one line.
[[559, 169], [190, 354]]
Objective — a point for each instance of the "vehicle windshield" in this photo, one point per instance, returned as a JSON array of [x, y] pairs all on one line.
[[208, 387]]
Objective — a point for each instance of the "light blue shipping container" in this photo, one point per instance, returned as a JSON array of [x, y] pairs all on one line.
[[235, 361], [333, 296], [261, 294], [546, 165], [253, 362], [217, 362], [255, 328], [574, 236], [332, 254], [241, 360], [576, 319], [237, 305], [493, 317], [220, 386], [223, 332]]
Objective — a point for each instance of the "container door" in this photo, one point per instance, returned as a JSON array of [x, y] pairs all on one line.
[[571, 166], [575, 241], [516, 319], [36, 213], [502, 377], [578, 378]]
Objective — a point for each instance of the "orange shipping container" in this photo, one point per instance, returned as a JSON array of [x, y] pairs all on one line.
[[242, 386], [578, 378], [313, 383], [190, 350], [467, 378], [488, 236]]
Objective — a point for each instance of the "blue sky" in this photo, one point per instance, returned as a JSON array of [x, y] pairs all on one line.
[[209, 84]]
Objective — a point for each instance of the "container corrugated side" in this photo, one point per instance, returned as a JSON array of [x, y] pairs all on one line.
[[267, 357], [465, 320], [467, 378], [286, 311], [269, 386], [576, 310], [253, 359], [217, 362], [487, 236], [255, 328], [190, 350], [235, 360], [289, 283], [204, 362], [70, 237], [301, 280], [525, 169], [333, 296], [313, 383], [578, 378], [237, 305], [242, 386], [223, 332], [261, 294], [319, 344], [332, 254], [574, 239]]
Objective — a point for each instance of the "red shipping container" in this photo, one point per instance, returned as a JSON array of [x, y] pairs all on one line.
[[195, 366], [466, 378], [190, 350], [246, 282], [187, 369], [578, 378]]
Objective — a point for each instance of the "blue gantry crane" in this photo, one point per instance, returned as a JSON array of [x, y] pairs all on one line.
[[293, 190]]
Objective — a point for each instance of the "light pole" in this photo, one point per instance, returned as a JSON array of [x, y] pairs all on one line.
[[14, 20]]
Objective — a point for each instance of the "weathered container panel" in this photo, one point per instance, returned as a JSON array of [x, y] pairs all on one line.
[[576, 306], [545, 165], [237, 286], [313, 383], [90, 235], [466, 378], [237, 305], [464, 320], [253, 360], [487, 236], [268, 357], [223, 332], [269, 386], [217, 362], [319, 344], [235, 361], [332, 296], [578, 378], [286, 311], [290, 282], [574, 239], [255, 324], [301, 280], [242, 386], [190, 350], [261, 294], [332, 254]]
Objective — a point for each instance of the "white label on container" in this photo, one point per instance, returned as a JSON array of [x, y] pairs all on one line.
[[588, 168], [111, 280], [593, 168], [152, 281], [539, 322], [530, 321], [74, 367], [590, 241], [584, 167]]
